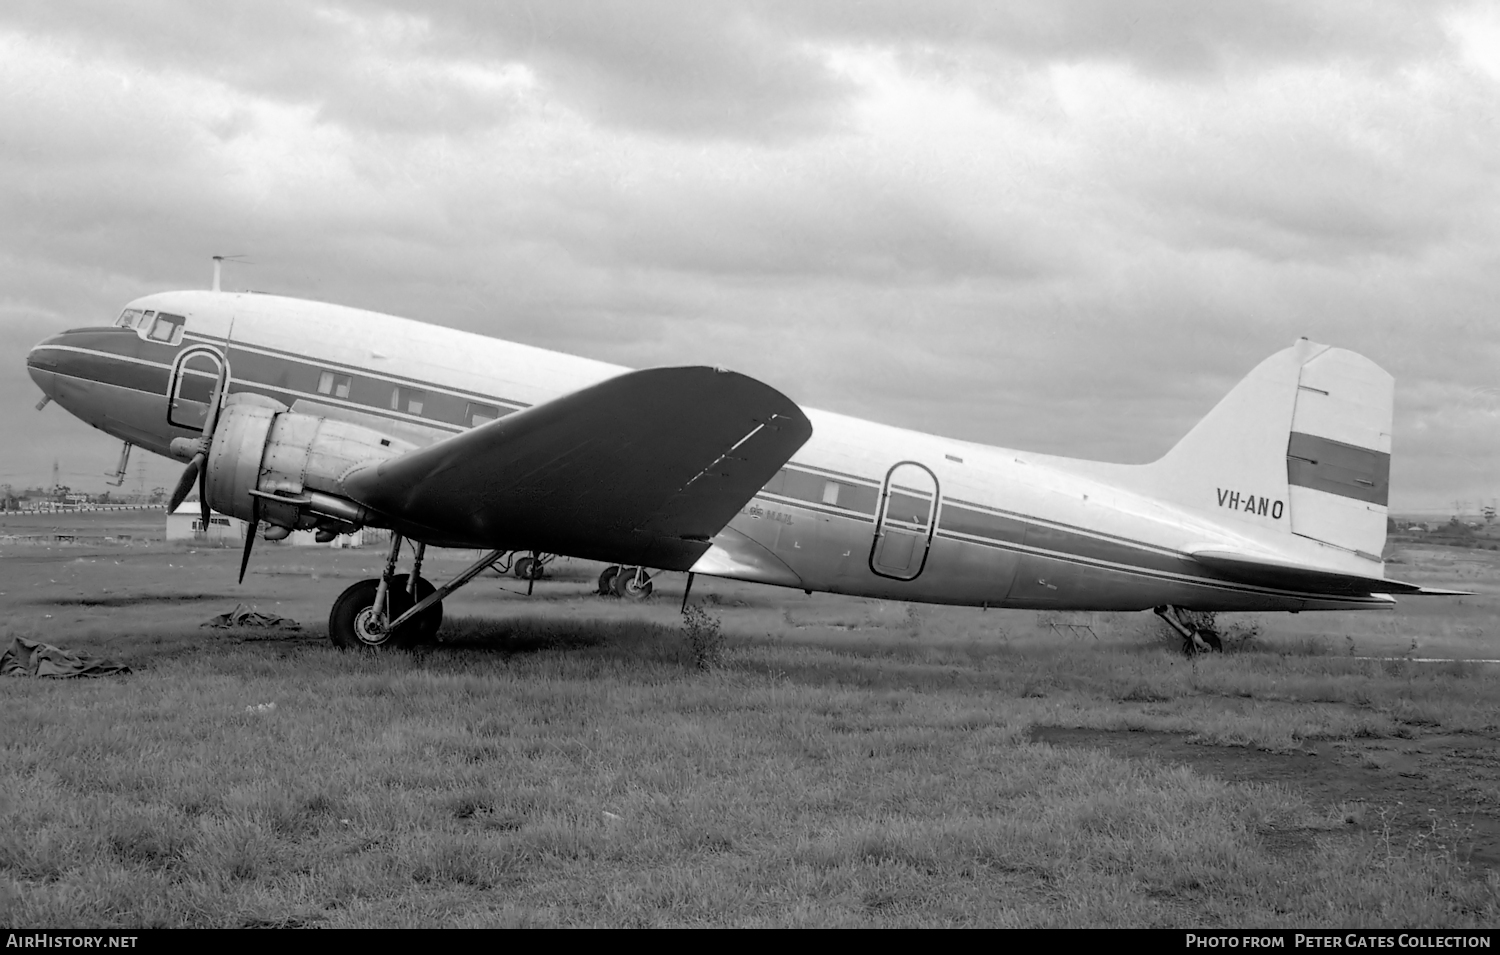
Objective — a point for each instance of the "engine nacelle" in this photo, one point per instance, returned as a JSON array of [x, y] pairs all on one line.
[[299, 459]]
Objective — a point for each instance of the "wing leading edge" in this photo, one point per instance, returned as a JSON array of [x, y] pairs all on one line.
[[643, 468]]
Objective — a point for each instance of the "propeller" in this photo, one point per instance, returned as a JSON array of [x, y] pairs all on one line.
[[198, 465], [250, 531]]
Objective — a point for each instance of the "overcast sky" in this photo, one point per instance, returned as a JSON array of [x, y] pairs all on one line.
[[1068, 227]]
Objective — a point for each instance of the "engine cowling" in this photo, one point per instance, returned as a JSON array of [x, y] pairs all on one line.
[[295, 461]]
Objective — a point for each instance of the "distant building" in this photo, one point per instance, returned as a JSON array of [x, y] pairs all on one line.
[[185, 524]]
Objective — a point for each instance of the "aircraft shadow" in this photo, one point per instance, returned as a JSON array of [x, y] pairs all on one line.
[[513, 635]]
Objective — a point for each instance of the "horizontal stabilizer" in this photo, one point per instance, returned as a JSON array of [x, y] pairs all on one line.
[[1439, 592], [1289, 575], [644, 468]]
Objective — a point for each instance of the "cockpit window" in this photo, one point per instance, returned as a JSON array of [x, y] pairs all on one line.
[[129, 318], [167, 328]]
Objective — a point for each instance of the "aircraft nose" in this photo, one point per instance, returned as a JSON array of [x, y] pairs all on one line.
[[42, 363]]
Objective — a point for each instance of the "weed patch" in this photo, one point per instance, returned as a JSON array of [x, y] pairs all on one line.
[[705, 636]]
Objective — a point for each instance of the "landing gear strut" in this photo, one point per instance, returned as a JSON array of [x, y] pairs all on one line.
[[395, 611], [1195, 639]]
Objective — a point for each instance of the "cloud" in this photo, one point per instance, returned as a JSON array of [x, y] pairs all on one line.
[[446, 67], [1170, 37], [743, 71], [1066, 226]]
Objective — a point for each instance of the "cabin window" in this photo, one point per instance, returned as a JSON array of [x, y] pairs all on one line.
[[830, 492], [409, 400], [477, 414], [907, 507], [331, 383], [167, 328]]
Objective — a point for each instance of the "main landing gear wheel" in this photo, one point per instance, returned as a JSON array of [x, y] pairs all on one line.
[[628, 584], [355, 622], [529, 568], [607, 581]]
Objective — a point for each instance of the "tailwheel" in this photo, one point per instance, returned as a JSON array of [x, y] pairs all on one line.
[[355, 621], [1196, 636], [1211, 638]]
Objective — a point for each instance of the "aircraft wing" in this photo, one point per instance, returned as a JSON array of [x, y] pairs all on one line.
[[643, 468], [1272, 572]]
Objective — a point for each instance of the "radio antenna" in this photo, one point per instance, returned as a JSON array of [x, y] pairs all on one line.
[[219, 266]]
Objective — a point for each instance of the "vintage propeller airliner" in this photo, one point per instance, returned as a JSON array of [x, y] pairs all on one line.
[[298, 415]]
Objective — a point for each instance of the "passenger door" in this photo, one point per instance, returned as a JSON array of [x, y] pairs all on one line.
[[193, 377], [904, 521]]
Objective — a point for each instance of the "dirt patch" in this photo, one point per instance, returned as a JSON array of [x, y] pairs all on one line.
[[1416, 792]]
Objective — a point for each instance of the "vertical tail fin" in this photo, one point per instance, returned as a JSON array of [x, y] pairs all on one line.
[[1302, 445]]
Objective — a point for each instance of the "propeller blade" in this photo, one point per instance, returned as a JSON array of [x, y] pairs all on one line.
[[216, 402], [203, 496], [185, 483], [250, 532]]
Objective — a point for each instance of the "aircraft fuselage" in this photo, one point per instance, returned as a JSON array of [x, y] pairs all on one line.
[[862, 508]]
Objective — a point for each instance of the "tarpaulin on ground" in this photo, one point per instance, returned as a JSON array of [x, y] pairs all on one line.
[[32, 658], [243, 616]]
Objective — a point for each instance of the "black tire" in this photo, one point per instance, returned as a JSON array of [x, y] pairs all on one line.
[[430, 619], [1212, 639], [625, 586], [348, 622], [529, 568], [607, 581]]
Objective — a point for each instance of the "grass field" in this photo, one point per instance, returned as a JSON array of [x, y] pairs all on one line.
[[561, 760]]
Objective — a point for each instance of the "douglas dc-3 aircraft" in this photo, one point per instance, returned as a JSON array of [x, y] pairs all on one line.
[[306, 415]]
